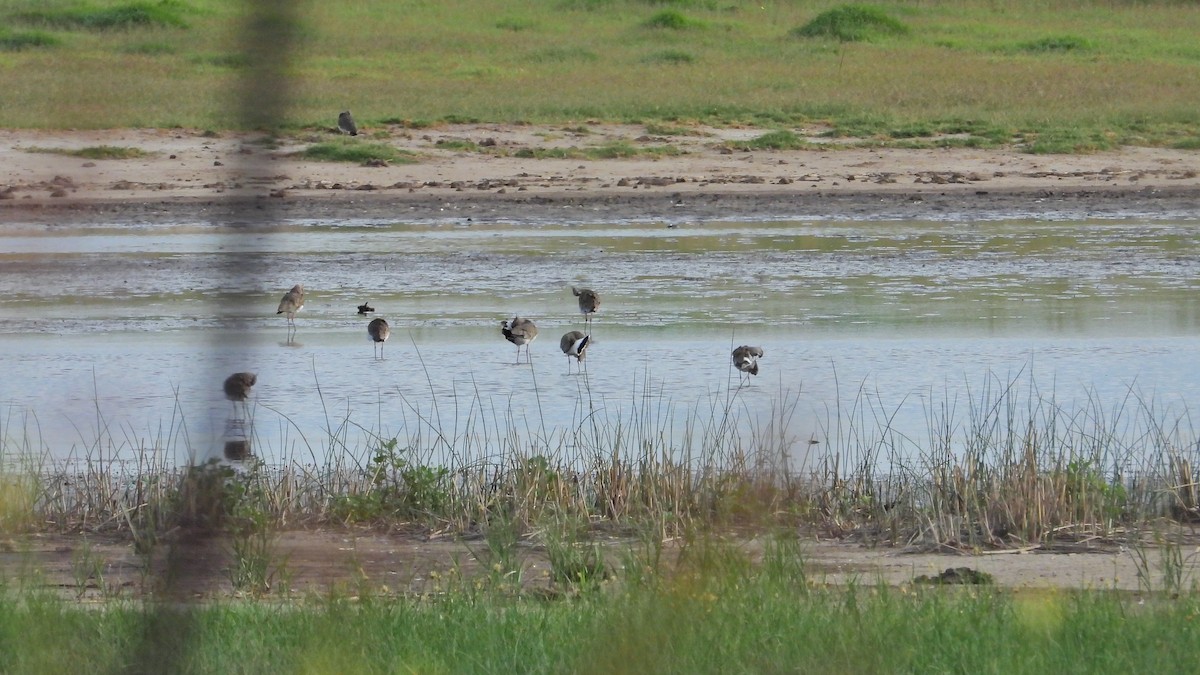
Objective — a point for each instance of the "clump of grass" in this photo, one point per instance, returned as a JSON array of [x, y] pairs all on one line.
[[564, 54], [671, 19], [230, 60], [457, 144], [22, 40], [95, 152], [1056, 44], [130, 15], [149, 48], [781, 139], [674, 57], [515, 24], [348, 150], [1069, 141], [852, 23]]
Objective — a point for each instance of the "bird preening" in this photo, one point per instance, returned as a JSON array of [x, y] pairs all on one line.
[[292, 302], [745, 359], [237, 389], [519, 332], [575, 344], [589, 301], [365, 308], [346, 123], [378, 331]]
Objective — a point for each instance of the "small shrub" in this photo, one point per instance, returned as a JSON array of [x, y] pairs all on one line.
[[671, 19], [852, 23], [15, 42]]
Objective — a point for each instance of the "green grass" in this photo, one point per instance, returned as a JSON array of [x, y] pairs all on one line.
[[95, 152], [29, 39], [347, 150], [1119, 70], [115, 17], [733, 618]]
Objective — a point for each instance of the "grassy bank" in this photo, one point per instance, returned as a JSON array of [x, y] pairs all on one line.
[[732, 619], [1073, 76]]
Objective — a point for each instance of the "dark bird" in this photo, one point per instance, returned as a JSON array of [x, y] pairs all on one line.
[[346, 123], [519, 332], [237, 388], [379, 331], [364, 308], [574, 344], [292, 302], [745, 359], [588, 302]]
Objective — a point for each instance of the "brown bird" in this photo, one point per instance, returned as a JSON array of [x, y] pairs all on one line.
[[292, 302], [519, 332], [237, 388], [379, 331], [574, 344], [745, 359], [588, 302]]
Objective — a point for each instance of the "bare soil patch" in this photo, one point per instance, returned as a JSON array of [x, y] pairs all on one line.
[[350, 562]]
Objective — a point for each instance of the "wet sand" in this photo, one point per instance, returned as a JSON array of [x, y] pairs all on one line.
[[236, 178]]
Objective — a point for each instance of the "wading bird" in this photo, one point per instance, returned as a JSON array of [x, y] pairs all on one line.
[[519, 332], [588, 302], [346, 123], [237, 389], [379, 331], [745, 359], [292, 302], [574, 344]]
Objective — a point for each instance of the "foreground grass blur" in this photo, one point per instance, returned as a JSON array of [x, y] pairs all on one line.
[[725, 617]]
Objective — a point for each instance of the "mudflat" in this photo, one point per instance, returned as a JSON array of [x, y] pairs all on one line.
[[505, 174]]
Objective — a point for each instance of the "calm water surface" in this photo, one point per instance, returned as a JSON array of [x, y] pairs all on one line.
[[116, 337]]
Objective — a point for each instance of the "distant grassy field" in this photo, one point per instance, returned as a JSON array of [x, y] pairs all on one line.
[[1079, 75]]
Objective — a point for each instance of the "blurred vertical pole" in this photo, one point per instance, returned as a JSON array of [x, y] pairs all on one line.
[[268, 37]]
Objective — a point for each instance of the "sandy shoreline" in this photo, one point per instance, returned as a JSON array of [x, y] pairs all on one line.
[[233, 178]]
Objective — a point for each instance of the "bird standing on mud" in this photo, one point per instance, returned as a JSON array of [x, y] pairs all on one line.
[[519, 332], [379, 331], [292, 302], [237, 388], [574, 344], [346, 123], [588, 302], [745, 359]]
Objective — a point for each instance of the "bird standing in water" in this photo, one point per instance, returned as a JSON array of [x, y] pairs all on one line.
[[519, 332], [292, 302], [237, 389], [745, 359], [574, 344], [589, 301], [379, 331]]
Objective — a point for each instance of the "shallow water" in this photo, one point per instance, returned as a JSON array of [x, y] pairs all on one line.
[[117, 337]]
